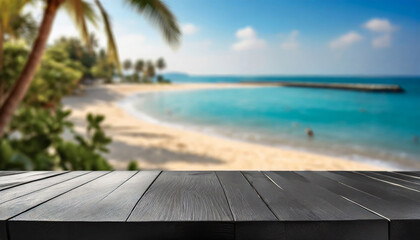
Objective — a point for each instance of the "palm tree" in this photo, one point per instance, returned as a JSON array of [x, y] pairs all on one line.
[[138, 68], [127, 65], [9, 12], [160, 65], [149, 72], [82, 12]]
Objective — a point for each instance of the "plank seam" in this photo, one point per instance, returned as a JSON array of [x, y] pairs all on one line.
[[230, 207], [354, 202], [135, 205], [56, 196], [45, 187], [271, 180], [262, 199], [366, 208], [227, 200], [19, 184], [406, 175], [385, 181], [118, 186], [395, 178], [337, 181]]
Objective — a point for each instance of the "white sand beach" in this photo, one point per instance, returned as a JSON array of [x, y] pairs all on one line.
[[156, 146]]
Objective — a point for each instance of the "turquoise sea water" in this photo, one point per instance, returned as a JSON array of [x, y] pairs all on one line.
[[363, 126]]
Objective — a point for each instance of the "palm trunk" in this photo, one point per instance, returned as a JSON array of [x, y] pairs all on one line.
[[1, 65], [24, 81]]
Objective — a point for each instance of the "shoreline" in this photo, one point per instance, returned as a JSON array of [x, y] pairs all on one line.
[[160, 146], [125, 104]]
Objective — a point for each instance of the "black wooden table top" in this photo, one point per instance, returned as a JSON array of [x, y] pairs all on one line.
[[210, 205]]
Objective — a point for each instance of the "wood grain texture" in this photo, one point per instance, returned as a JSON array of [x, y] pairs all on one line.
[[187, 205], [349, 189], [11, 193], [381, 198], [393, 180], [284, 206], [310, 210], [183, 196], [253, 219], [324, 204], [16, 206], [244, 201], [78, 204], [7, 173], [415, 174], [393, 193], [404, 177], [210, 205], [100, 210], [19, 179]]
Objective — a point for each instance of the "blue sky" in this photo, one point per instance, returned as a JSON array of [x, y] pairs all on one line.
[[303, 37]]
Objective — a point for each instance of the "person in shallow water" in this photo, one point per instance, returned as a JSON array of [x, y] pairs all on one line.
[[309, 132]]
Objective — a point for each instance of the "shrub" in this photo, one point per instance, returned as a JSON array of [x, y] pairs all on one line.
[[35, 142]]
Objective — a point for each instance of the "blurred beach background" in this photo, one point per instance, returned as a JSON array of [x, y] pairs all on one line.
[[205, 122], [197, 85]]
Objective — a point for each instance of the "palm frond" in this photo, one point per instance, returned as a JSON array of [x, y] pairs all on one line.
[[10, 9], [112, 47], [159, 14], [81, 12]]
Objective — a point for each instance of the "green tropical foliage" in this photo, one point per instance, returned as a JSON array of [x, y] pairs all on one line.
[[14, 57], [103, 69], [41, 136], [81, 12], [133, 166], [35, 142]]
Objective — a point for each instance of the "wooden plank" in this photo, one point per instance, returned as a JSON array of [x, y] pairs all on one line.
[[394, 203], [186, 205], [337, 214], [309, 210], [84, 197], [404, 177], [28, 188], [7, 173], [19, 205], [392, 180], [375, 187], [19, 179], [109, 199], [253, 219], [415, 174]]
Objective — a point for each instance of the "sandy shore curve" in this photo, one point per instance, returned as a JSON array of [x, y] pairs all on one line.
[[156, 146]]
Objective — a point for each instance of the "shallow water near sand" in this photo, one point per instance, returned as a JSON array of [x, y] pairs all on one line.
[[363, 126]]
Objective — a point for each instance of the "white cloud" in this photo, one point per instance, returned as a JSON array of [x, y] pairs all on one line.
[[189, 29], [379, 25], [384, 28], [291, 42], [345, 40], [248, 40], [245, 33]]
